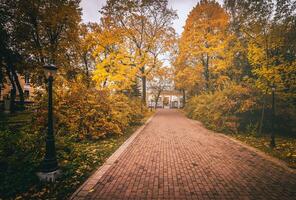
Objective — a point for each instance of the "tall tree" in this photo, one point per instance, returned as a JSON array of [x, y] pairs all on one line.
[[35, 32], [202, 45], [144, 23], [266, 27], [160, 80], [114, 68], [51, 28], [10, 59]]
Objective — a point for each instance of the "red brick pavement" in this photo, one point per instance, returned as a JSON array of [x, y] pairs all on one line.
[[173, 158]]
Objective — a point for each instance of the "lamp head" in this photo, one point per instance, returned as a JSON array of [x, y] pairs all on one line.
[[273, 87], [50, 70]]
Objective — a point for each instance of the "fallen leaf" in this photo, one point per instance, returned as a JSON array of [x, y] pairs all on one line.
[[288, 154]]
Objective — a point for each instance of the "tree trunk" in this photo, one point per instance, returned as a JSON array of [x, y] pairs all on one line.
[[262, 116], [144, 81], [207, 73], [156, 99], [1, 81], [155, 105], [19, 88], [12, 92], [12, 99], [184, 96], [86, 70]]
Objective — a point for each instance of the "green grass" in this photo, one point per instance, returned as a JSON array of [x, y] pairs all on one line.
[[16, 119], [77, 160], [285, 146]]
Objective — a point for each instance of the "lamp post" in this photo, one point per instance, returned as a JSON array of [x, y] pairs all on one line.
[[0, 90], [49, 166], [272, 138]]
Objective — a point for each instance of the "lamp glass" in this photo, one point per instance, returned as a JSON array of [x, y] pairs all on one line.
[[50, 70]]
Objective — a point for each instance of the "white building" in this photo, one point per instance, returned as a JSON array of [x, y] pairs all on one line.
[[167, 99]]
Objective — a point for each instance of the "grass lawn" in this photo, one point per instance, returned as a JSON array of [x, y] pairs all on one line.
[[77, 160], [18, 117], [285, 146]]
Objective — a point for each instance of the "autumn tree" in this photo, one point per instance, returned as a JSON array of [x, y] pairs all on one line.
[[250, 48], [144, 23], [266, 27], [202, 46], [114, 68], [11, 58], [187, 78], [33, 33], [51, 29], [160, 80], [83, 57]]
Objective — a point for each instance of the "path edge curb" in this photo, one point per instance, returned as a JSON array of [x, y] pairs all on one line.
[[89, 184], [260, 153]]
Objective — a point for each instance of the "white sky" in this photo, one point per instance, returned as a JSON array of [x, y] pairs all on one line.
[[90, 11]]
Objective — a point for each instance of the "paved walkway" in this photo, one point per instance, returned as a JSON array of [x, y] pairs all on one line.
[[175, 158]]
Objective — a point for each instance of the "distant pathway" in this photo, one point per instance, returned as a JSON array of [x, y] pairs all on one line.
[[175, 158]]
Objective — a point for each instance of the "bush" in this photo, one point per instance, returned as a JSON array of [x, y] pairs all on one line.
[[221, 110], [285, 109], [88, 113], [138, 111], [20, 151]]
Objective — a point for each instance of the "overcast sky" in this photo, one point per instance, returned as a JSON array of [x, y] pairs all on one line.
[[90, 10]]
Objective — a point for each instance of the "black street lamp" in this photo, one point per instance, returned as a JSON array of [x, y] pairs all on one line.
[[272, 138], [0, 91], [49, 166]]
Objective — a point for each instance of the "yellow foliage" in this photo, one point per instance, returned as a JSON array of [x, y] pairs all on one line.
[[114, 66], [220, 110], [202, 47], [83, 112]]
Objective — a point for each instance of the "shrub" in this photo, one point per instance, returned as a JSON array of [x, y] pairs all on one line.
[[87, 113], [138, 111], [20, 151], [221, 110]]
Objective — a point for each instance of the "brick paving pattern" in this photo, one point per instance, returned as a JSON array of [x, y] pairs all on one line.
[[174, 158]]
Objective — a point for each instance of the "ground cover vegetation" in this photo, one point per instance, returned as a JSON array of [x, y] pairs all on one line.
[[99, 90], [228, 60]]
